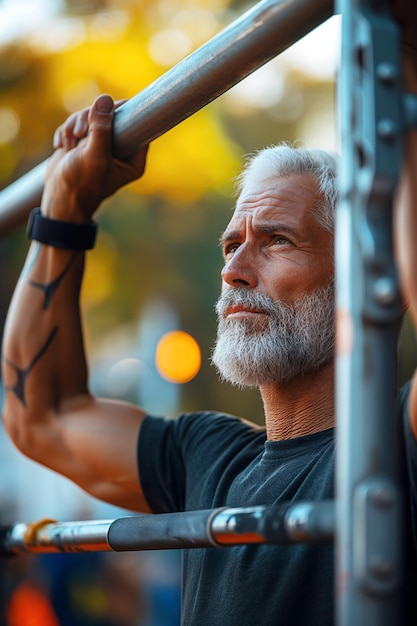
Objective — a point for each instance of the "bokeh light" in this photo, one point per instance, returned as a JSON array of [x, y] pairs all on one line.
[[9, 124], [169, 46], [123, 377], [178, 357]]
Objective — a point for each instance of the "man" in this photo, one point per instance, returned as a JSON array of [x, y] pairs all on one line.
[[276, 332]]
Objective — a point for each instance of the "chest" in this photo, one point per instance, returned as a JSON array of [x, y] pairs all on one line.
[[245, 480]]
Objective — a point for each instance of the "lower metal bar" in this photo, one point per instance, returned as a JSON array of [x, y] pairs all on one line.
[[48, 536], [285, 523]]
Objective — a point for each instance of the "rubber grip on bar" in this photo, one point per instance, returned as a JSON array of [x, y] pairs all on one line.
[[162, 531]]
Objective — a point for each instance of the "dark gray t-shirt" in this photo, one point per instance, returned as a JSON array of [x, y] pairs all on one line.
[[210, 460]]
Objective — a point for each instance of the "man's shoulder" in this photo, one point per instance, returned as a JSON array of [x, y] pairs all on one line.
[[196, 429], [220, 417], [216, 422]]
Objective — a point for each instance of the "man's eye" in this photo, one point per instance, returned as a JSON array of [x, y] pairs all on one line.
[[230, 249], [280, 240]]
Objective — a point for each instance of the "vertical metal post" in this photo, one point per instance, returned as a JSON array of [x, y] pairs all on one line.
[[368, 543]]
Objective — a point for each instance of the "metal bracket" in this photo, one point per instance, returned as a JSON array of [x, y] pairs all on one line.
[[376, 531]]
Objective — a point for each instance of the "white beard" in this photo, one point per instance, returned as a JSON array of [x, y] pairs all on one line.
[[289, 341]]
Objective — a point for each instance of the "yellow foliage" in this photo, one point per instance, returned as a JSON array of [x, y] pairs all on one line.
[[8, 160], [185, 163], [189, 160], [121, 68]]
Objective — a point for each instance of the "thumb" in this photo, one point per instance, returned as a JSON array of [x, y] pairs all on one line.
[[100, 123]]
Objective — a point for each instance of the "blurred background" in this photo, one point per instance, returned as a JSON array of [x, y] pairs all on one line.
[[153, 279]]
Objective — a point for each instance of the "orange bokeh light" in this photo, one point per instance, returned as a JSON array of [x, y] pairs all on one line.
[[178, 357]]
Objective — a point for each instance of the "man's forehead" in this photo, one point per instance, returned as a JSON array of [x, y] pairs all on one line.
[[287, 198], [291, 185], [263, 218]]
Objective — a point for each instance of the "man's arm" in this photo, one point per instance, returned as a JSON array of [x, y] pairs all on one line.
[[49, 412]]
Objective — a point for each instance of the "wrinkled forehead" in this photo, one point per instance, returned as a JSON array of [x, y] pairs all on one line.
[[292, 180], [294, 196]]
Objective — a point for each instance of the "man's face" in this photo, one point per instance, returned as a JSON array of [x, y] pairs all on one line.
[[277, 305], [273, 243]]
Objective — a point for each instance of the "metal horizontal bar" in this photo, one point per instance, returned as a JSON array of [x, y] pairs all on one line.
[[309, 522], [47, 536], [259, 35]]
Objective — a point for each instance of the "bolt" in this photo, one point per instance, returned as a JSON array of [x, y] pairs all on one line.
[[385, 291], [382, 496], [387, 129], [380, 567], [387, 72]]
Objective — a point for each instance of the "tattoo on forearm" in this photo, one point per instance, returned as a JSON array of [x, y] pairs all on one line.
[[19, 387], [49, 289]]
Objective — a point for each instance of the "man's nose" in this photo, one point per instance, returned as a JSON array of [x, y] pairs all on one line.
[[239, 270]]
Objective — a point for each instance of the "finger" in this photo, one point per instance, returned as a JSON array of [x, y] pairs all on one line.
[[138, 161], [74, 127], [64, 130], [57, 140], [100, 122], [81, 123], [68, 138]]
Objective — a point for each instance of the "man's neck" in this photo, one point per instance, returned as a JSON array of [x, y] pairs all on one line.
[[301, 407]]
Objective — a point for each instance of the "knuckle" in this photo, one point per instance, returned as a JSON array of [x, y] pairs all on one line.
[[66, 130]]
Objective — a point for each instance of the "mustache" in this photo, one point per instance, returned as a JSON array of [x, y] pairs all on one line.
[[241, 296]]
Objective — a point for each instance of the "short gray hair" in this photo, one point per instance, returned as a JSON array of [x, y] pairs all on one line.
[[284, 160]]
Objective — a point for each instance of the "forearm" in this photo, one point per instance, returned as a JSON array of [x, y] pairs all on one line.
[[43, 360]]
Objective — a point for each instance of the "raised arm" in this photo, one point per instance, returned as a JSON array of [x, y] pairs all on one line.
[[49, 412]]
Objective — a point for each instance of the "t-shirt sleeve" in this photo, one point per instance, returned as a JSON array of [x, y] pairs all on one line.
[[160, 464]]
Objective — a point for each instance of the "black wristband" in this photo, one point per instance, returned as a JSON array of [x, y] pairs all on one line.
[[60, 234]]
